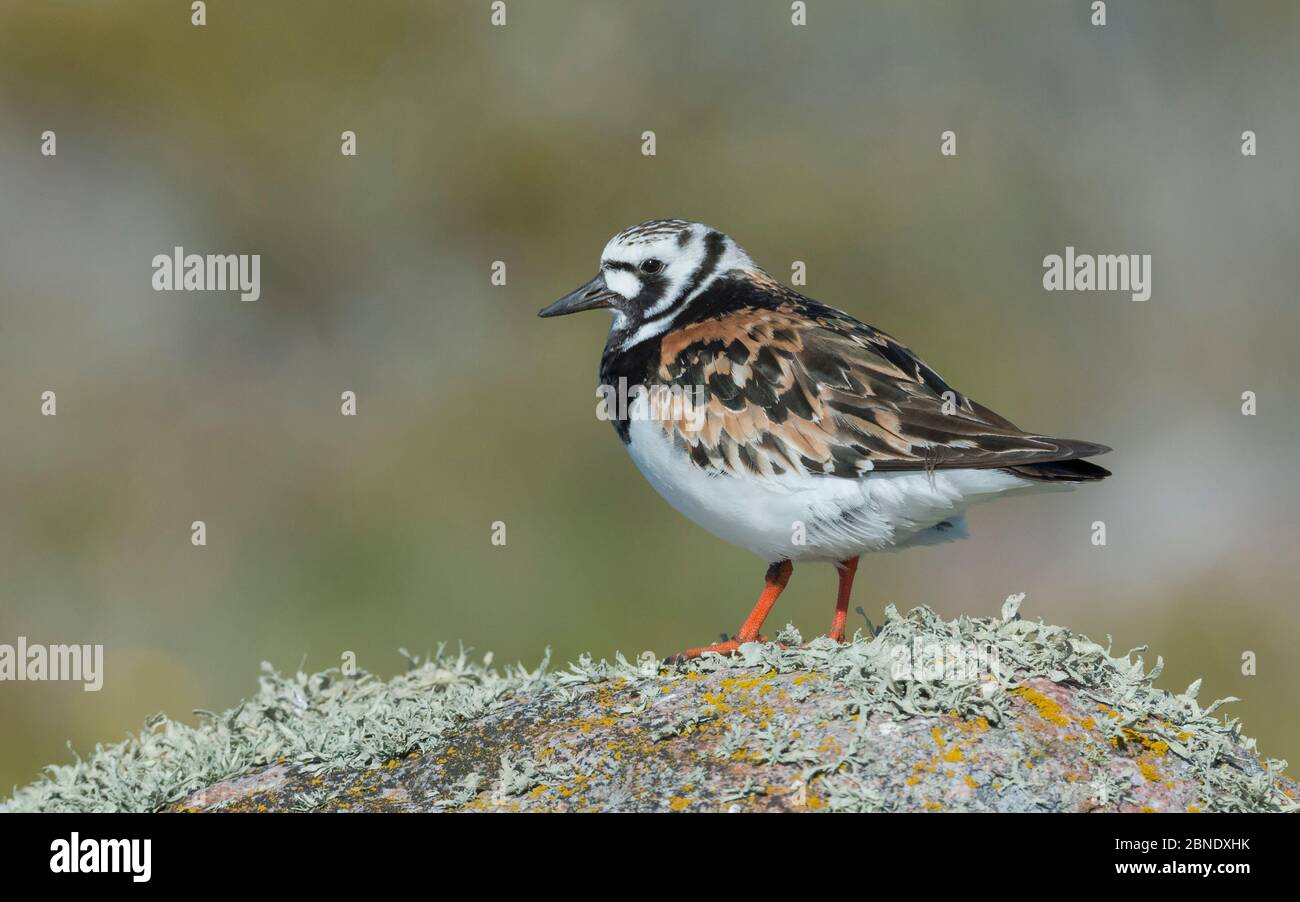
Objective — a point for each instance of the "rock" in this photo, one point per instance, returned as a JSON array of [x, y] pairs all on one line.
[[995, 714]]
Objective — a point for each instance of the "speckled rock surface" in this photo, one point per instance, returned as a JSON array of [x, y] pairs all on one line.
[[601, 750], [921, 714], [755, 740]]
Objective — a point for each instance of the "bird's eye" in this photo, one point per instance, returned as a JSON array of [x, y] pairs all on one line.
[[651, 265]]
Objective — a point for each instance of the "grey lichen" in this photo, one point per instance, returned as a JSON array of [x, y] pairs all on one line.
[[321, 722], [896, 719]]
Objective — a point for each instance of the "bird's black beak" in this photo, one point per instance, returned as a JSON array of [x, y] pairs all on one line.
[[592, 296]]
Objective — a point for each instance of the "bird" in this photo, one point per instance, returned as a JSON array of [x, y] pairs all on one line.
[[788, 427]]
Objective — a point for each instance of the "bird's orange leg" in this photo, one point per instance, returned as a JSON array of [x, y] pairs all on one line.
[[846, 570], [777, 576]]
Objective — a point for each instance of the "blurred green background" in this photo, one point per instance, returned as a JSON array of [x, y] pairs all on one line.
[[522, 144]]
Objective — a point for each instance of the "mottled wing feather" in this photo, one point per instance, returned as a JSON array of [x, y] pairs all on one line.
[[804, 388]]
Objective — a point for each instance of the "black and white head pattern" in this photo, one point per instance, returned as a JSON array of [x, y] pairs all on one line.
[[658, 267]]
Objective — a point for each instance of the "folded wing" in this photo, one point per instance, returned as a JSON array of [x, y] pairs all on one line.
[[808, 389]]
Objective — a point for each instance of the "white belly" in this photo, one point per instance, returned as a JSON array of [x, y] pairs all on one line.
[[798, 517]]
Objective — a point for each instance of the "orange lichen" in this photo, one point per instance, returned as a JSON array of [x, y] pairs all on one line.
[[717, 700], [830, 746], [978, 725], [1048, 708]]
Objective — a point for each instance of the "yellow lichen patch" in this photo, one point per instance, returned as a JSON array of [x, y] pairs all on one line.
[[971, 782], [954, 754], [578, 784], [760, 682], [1048, 708], [717, 700], [741, 695], [1148, 770], [978, 725], [679, 803], [923, 767], [830, 746], [587, 724], [933, 806]]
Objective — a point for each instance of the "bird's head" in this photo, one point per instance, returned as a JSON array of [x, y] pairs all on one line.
[[651, 272]]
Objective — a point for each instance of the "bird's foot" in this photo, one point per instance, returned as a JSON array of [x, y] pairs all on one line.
[[725, 647]]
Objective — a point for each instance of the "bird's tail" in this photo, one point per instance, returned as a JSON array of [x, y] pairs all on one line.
[[1075, 470]]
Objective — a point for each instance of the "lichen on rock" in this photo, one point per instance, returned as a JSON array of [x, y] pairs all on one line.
[[973, 714]]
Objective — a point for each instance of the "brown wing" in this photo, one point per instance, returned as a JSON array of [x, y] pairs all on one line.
[[810, 389]]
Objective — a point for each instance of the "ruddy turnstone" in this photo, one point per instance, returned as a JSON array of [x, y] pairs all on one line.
[[788, 427]]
